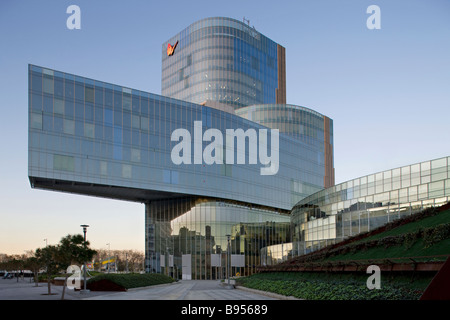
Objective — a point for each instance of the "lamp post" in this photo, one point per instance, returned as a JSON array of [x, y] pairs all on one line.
[[84, 226], [109, 254], [228, 260], [168, 260]]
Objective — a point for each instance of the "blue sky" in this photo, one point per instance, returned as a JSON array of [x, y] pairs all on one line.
[[387, 90]]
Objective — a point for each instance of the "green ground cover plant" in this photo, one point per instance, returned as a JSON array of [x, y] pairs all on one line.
[[131, 280], [321, 286]]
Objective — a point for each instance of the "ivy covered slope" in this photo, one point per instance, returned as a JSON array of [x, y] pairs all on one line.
[[425, 234], [331, 286]]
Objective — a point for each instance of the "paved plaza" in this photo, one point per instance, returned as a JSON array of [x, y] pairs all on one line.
[[11, 289]]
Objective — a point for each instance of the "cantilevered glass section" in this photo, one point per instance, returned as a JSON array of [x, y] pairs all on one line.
[[97, 138]]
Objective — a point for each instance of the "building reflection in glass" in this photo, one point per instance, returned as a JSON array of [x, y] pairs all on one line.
[[186, 237]]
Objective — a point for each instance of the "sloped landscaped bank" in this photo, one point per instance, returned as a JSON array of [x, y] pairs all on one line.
[[423, 238], [123, 282]]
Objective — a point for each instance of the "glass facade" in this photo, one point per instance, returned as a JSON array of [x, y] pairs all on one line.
[[303, 124], [365, 203], [97, 133], [224, 60], [95, 138], [187, 237], [299, 122]]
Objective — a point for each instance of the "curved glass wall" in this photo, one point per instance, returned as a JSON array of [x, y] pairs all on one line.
[[365, 203], [303, 124], [276, 253], [221, 59], [300, 122], [187, 237]]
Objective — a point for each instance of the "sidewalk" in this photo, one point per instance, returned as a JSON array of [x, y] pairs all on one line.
[[11, 289]]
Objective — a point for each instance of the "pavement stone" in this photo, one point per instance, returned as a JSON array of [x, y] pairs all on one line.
[[11, 289]]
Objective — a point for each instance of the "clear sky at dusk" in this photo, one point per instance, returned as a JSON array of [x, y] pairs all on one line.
[[387, 90]]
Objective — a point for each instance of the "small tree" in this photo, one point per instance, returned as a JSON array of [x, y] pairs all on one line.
[[17, 266], [47, 257], [34, 264], [72, 249]]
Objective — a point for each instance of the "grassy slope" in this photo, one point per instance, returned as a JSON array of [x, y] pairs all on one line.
[[417, 249], [440, 218], [328, 286]]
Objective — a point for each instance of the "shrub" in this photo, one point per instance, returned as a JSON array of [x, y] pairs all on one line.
[[128, 281]]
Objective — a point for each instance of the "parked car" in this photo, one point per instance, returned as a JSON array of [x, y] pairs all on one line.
[[8, 276]]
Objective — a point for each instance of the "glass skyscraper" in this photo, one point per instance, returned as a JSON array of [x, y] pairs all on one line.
[[225, 60], [96, 138]]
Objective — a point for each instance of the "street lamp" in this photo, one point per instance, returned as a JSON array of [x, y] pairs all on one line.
[[228, 260], [84, 226], [109, 255]]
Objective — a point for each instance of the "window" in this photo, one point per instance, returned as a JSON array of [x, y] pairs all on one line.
[[135, 122], [48, 85], [59, 87], [126, 171], [36, 121], [79, 91], [36, 100], [135, 155], [166, 176], [126, 101], [59, 106], [69, 126], [144, 123], [89, 130], [36, 80], [170, 176], [89, 94], [103, 168], [64, 163], [108, 117]]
